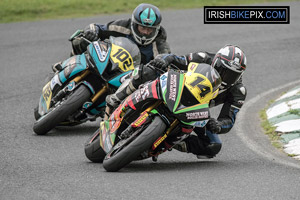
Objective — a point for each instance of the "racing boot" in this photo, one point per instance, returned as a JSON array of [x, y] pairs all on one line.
[[211, 150], [181, 146]]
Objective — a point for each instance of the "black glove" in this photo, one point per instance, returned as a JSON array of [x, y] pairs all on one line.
[[162, 61], [214, 126], [90, 33]]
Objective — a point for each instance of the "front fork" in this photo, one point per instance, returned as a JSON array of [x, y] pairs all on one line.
[[72, 85]]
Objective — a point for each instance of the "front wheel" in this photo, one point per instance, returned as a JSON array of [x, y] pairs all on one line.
[[123, 155], [47, 122]]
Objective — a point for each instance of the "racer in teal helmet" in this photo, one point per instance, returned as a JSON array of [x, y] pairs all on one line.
[[145, 23]]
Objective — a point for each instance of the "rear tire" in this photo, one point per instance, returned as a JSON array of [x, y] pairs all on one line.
[[47, 122], [114, 161], [93, 150]]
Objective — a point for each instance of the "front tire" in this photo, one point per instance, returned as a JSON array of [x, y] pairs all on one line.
[[47, 122], [93, 150], [116, 160]]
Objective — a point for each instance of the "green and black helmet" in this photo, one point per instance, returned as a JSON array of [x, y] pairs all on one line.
[[145, 15]]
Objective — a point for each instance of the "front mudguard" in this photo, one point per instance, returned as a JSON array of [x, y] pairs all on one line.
[[47, 96], [71, 67]]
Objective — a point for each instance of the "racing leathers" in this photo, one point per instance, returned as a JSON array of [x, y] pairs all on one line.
[[206, 141], [121, 28]]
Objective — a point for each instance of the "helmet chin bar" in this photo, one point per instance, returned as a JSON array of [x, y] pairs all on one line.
[[143, 40]]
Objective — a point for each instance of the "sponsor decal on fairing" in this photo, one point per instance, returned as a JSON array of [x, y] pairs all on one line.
[[173, 87], [197, 115], [101, 54]]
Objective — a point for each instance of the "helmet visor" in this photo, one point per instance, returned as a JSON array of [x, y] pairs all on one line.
[[228, 76]]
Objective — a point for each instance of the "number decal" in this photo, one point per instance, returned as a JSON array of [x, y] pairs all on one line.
[[197, 81], [203, 88], [119, 55], [123, 58], [47, 94]]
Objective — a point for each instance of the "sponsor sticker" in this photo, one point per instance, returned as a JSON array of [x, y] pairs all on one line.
[[173, 87], [197, 115]]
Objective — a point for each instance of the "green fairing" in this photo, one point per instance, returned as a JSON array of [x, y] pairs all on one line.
[[113, 137], [201, 106], [106, 124], [164, 96], [181, 78], [187, 123], [154, 111]]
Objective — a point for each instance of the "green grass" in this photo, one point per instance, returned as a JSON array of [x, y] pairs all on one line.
[[294, 112], [270, 130], [33, 10]]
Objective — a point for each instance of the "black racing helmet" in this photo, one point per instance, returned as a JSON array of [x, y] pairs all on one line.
[[230, 62], [145, 15]]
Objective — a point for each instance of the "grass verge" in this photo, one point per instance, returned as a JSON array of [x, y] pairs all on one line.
[[34, 10], [270, 130]]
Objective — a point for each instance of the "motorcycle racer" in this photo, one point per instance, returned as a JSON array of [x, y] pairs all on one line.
[[230, 62], [144, 28]]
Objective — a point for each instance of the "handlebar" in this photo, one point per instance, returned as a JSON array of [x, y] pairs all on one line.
[[79, 34], [171, 66]]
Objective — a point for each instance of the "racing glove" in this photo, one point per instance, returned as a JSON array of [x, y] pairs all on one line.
[[91, 32], [214, 126], [162, 61]]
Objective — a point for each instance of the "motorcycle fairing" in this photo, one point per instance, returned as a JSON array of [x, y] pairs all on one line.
[[147, 91], [71, 67], [117, 81], [172, 85], [109, 128], [99, 55], [122, 58]]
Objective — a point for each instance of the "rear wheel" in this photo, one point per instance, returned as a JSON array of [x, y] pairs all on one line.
[[73, 102], [93, 150], [123, 154]]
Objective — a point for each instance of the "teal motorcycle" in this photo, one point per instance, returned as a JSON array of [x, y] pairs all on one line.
[[77, 92]]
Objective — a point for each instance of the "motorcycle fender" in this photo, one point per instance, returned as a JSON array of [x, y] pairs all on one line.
[[71, 67], [109, 128], [89, 86], [107, 139], [45, 99]]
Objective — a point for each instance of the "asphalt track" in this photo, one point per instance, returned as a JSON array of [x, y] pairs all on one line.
[[54, 166]]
